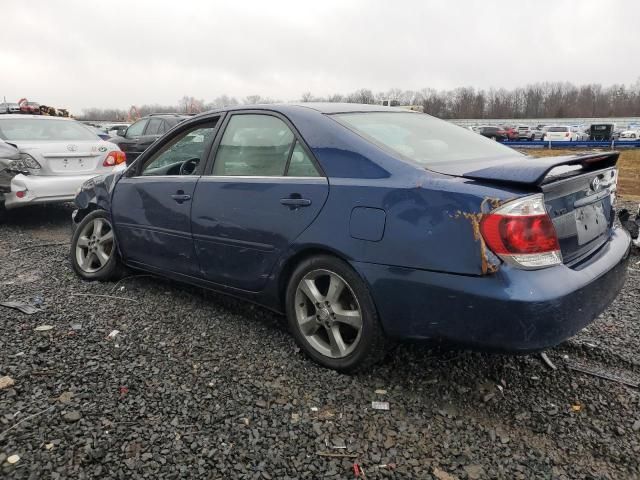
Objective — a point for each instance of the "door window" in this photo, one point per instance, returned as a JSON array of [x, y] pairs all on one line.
[[154, 126], [301, 164], [137, 128], [254, 145], [182, 154]]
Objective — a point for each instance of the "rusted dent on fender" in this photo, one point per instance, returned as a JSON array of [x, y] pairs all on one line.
[[488, 204]]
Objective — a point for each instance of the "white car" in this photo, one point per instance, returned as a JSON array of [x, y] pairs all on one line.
[[57, 155], [561, 133], [112, 128], [630, 135]]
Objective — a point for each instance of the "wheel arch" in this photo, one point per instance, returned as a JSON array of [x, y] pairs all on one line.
[[292, 261]]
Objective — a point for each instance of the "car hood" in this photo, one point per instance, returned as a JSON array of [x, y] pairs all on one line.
[[523, 170]]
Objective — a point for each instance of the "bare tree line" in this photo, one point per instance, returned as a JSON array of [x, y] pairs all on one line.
[[540, 100]]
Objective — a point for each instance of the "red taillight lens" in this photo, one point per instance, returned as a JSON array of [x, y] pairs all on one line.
[[567, 134], [522, 234], [508, 235], [114, 158]]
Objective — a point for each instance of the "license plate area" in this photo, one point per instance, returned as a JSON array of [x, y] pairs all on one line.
[[70, 164], [591, 222]]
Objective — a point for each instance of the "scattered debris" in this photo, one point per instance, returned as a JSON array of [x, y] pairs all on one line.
[[602, 374], [22, 306], [547, 361], [337, 455], [49, 446], [358, 471], [65, 397], [381, 392], [6, 382], [41, 245], [576, 407], [13, 459], [442, 475], [72, 416], [2, 434], [102, 296], [123, 391], [314, 409], [43, 328], [113, 334], [380, 405], [76, 326]]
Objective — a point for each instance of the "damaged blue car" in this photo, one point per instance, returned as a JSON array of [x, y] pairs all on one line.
[[365, 225]]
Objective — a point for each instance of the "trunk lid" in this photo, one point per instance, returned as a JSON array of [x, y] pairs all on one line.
[[579, 191], [69, 158]]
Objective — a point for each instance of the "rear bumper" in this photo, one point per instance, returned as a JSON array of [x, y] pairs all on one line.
[[512, 310], [43, 189]]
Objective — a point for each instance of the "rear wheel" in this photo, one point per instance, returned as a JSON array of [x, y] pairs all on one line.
[[94, 255], [332, 315]]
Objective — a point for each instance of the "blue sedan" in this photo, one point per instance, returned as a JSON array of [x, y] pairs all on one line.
[[365, 225]]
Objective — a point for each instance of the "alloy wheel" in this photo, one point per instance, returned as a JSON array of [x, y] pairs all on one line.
[[95, 245], [328, 313]]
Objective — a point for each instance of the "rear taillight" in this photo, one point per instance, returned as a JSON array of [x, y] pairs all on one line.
[[567, 134], [522, 234], [114, 158]]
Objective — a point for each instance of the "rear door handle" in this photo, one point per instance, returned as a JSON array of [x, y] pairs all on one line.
[[181, 197], [295, 202]]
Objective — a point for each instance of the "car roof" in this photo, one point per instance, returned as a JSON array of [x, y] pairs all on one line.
[[38, 117], [321, 107]]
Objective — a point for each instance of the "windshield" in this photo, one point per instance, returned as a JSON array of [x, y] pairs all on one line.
[[17, 129], [422, 138]]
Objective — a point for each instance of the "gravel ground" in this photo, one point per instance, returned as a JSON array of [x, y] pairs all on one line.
[[197, 385]]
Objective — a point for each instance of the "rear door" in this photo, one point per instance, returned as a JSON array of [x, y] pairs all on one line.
[[262, 191], [151, 207], [130, 143]]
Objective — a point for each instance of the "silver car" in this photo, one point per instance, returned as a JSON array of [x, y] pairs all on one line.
[[56, 156]]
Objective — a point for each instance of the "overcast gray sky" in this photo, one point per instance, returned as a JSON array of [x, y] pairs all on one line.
[[115, 53]]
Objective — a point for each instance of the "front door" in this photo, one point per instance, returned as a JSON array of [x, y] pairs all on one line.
[[263, 191], [151, 208]]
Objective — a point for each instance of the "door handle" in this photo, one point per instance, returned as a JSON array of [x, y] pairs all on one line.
[[295, 202], [181, 197]]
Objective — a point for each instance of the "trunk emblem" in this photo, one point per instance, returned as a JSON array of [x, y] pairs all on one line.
[[72, 148], [595, 184]]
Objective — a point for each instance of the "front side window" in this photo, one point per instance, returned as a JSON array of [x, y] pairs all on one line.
[[254, 145], [181, 155], [422, 138], [137, 128]]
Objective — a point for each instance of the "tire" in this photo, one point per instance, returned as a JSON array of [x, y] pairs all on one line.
[[3, 211], [99, 247], [313, 315]]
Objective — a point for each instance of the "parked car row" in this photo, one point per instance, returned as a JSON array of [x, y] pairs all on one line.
[[32, 108], [558, 133]]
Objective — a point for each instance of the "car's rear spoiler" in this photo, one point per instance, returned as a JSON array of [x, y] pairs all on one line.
[[532, 171]]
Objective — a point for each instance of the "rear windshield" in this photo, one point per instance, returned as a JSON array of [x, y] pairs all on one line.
[[422, 138], [25, 129], [558, 129]]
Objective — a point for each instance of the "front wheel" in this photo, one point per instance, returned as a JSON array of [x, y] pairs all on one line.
[[94, 255], [332, 315]]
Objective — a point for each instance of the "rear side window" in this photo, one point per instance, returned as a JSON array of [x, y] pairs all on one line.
[[154, 126], [301, 164], [254, 145], [422, 138]]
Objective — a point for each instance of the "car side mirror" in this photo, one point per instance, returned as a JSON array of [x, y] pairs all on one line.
[[122, 131]]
